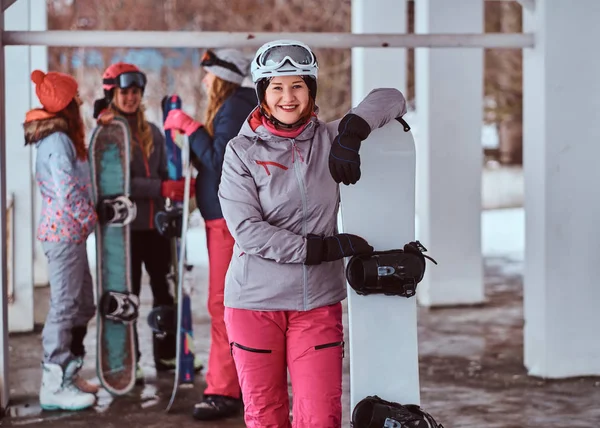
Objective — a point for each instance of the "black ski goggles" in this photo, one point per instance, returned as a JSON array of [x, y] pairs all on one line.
[[127, 80], [209, 59]]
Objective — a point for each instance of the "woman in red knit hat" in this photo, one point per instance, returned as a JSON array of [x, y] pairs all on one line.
[[124, 86], [67, 219]]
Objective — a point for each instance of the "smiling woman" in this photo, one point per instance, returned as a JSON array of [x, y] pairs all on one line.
[[124, 85], [280, 197], [287, 101], [128, 99]]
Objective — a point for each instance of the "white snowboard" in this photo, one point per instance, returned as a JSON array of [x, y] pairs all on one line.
[[380, 207]]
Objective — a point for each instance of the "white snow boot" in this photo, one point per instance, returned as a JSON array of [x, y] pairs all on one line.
[[58, 392]]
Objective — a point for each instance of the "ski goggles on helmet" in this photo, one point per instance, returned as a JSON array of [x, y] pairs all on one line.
[[126, 80], [283, 58], [209, 59], [276, 56]]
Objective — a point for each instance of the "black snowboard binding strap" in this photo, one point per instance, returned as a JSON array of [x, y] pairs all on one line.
[[163, 320], [404, 123], [392, 273], [374, 412], [117, 210], [119, 307], [169, 223]]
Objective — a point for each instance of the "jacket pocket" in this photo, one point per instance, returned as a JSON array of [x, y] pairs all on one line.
[[248, 349], [331, 345]]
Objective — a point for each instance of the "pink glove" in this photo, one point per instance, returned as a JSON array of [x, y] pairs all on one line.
[[178, 120], [105, 117]]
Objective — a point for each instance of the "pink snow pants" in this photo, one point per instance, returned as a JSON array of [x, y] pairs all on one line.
[[221, 377], [308, 344]]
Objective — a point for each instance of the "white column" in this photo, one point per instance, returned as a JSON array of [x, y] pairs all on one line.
[[561, 151], [18, 169], [4, 355], [38, 21], [449, 97], [378, 67]]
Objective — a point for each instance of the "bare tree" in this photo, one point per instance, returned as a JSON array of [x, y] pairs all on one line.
[[503, 82], [180, 71]]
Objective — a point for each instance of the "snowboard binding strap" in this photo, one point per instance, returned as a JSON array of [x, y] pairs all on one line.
[[116, 211], [392, 273], [119, 307], [163, 320], [374, 412], [169, 223]]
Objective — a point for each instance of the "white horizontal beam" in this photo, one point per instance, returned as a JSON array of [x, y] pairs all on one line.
[[222, 39], [7, 3]]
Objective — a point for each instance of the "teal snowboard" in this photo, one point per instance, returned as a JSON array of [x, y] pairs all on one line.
[[109, 155]]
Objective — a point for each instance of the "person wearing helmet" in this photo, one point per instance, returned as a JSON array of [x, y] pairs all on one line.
[[124, 86], [280, 197], [67, 219], [229, 104]]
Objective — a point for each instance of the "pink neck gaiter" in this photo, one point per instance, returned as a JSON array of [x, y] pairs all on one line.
[[291, 133]]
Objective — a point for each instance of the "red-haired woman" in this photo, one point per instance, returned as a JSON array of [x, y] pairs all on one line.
[[67, 219]]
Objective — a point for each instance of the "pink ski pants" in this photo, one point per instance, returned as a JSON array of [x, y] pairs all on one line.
[[308, 344], [221, 377]]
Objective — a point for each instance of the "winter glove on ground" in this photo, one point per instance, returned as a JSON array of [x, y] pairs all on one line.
[[180, 121], [336, 247], [174, 189], [344, 160]]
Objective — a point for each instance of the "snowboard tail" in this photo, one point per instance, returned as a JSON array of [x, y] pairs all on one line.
[[116, 351]]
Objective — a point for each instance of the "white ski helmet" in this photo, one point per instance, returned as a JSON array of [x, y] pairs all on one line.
[[283, 58]]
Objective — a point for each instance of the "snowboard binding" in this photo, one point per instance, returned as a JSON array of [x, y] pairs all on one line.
[[392, 273], [163, 320], [169, 223], [119, 307], [374, 412], [116, 210]]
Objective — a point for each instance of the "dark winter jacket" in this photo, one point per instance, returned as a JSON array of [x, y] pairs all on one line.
[[147, 175], [208, 152]]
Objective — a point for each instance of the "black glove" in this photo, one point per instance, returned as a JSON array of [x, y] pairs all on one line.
[[344, 160], [336, 247]]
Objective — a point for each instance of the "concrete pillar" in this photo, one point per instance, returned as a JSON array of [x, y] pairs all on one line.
[[4, 355], [19, 174], [561, 151], [378, 67], [449, 97]]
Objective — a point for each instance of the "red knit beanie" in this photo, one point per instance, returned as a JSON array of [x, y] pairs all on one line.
[[54, 90]]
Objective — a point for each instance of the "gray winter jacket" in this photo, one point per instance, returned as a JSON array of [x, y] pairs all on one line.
[[273, 192]]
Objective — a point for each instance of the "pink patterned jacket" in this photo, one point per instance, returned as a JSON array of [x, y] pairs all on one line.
[[67, 213]]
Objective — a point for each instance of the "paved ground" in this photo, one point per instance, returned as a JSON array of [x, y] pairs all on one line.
[[471, 369]]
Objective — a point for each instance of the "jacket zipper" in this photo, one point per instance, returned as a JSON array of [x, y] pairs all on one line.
[[304, 214]]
